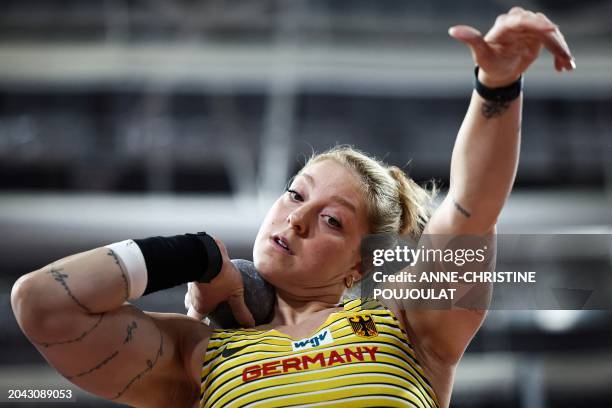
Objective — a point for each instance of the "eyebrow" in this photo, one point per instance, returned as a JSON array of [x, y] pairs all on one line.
[[337, 198]]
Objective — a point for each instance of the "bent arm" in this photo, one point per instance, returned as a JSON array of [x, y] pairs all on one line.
[[75, 312]]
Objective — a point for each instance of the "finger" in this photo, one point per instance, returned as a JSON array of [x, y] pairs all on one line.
[[558, 64], [203, 310], [240, 311], [516, 10], [544, 17], [472, 38], [524, 22], [195, 314], [556, 44], [562, 63], [188, 301], [532, 24]]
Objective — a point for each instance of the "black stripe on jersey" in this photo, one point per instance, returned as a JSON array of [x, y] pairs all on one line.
[[282, 354], [228, 339], [288, 338], [217, 371], [265, 341], [420, 396], [419, 386], [242, 337], [398, 327], [339, 388], [207, 361], [365, 396]]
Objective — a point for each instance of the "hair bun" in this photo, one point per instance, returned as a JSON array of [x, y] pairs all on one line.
[[414, 201]]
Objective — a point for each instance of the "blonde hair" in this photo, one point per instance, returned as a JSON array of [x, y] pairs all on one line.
[[395, 203]]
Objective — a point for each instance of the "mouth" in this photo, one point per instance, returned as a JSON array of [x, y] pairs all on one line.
[[282, 244]]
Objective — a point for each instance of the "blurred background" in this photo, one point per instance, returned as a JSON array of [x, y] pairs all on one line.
[[127, 118]]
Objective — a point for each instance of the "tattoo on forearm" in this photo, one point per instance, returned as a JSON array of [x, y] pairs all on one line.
[[462, 210], [123, 275], [76, 339], [149, 367], [61, 278], [492, 109], [96, 367], [130, 329]]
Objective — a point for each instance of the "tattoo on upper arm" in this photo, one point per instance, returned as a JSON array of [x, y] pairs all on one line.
[[123, 274], [61, 278], [462, 210], [76, 339], [150, 365], [492, 109], [130, 329], [96, 367]]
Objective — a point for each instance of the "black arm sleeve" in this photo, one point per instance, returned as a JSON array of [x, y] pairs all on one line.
[[172, 261]]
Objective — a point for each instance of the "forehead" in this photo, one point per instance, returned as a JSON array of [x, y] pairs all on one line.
[[331, 180], [335, 180], [333, 177]]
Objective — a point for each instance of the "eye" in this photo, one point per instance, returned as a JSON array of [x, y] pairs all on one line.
[[333, 222], [295, 195]]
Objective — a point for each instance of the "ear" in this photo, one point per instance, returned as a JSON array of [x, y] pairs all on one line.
[[357, 271]]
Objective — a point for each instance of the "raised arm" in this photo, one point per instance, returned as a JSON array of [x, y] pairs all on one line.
[[485, 158], [486, 152]]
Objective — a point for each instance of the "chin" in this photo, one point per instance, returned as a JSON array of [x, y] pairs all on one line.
[[272, 271], [266, 267]]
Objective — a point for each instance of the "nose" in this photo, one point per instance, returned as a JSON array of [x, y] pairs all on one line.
[[297, 220]]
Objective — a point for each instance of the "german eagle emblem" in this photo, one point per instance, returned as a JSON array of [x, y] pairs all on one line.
[[363, 325]]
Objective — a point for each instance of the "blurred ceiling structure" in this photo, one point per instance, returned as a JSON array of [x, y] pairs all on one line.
[[131, 118]]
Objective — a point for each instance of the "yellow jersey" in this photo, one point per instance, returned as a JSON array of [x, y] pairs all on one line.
[[358, 357]]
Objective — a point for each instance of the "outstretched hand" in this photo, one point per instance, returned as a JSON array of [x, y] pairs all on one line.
[[513, 44]]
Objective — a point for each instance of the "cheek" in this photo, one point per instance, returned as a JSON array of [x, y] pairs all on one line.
[[332, 254], [272, 218], [269, 224]]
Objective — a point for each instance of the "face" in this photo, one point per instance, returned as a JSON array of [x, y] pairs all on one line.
[[310, 240]]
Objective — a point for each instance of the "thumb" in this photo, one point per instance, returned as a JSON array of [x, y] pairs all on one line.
[[240, 310], [472, 38], [195, 314]]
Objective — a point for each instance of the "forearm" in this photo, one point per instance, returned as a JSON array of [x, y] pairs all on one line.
[[484, 161]]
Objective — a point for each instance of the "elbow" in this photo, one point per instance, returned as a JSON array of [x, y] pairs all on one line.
[[20, 295], [459, 215], [24, 302], [34, 317]]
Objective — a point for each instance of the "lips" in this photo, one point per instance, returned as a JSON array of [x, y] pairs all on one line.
[[282, 244]]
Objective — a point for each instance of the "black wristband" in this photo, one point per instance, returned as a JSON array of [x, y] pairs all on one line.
[[215, 260], [503, 94], [172, 261]]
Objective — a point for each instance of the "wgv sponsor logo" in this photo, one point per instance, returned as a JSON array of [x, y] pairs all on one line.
[[319, 339]]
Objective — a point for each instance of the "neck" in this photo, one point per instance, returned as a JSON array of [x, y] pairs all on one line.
[[290, 310]]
